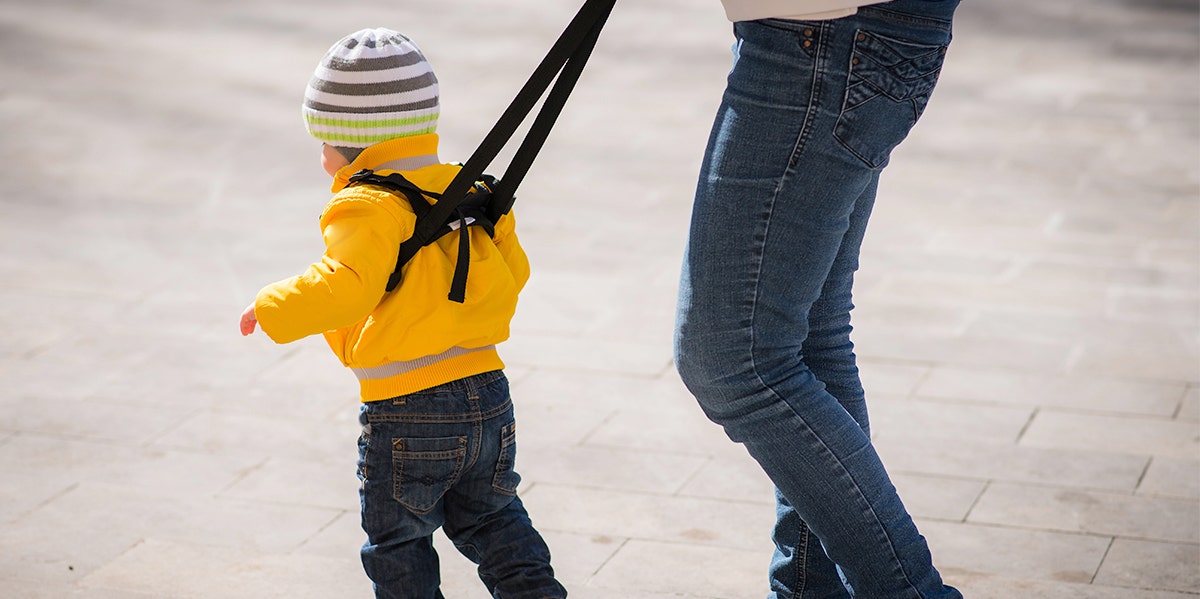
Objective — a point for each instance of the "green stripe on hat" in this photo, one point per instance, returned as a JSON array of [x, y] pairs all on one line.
[[367, 138], [369, 124]]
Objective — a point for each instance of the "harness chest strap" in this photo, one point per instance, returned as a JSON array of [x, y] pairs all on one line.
[[475, 210]]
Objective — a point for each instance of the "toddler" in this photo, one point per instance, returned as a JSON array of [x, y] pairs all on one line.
[[438, 432]]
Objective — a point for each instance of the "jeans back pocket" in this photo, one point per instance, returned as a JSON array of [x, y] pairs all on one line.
[[423, 469], [889, 84]]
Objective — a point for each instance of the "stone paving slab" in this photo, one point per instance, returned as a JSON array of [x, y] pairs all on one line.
[[1149, 564], [984, 460], [1128, 435], [1080, 393], [1028, 306], [1018, 553], [1108, 514], [1171, 477]]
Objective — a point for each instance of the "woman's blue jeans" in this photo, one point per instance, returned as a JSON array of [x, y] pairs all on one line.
[[443, 457], [810, 114]]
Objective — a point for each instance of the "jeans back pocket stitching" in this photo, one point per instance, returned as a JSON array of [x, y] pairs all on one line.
[[915, 92], [398, 461]]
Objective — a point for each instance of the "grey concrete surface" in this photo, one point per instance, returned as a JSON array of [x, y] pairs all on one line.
[[1029, 304]]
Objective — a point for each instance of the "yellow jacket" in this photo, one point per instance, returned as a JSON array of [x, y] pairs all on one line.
[[412, 338]]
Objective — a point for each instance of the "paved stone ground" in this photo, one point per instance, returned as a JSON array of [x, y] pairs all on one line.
[[1028, 322]]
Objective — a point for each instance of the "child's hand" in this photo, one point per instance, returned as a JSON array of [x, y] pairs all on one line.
[[249, 321]]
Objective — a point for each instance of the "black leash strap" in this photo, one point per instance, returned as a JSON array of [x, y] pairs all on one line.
[[565, 60]]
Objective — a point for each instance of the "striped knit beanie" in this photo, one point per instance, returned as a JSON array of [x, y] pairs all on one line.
[[371, 86]]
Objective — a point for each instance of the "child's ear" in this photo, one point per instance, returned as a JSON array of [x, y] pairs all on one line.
[[332, 160]]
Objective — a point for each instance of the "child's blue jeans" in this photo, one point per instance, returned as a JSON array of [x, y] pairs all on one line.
[[443, 457]]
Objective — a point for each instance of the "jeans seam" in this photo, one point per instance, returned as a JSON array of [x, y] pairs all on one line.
[[802, 567], [820, 66], [896, 561], [366, 452], [810, 117], [477, 424]]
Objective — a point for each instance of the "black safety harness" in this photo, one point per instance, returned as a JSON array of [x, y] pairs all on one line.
[[473, 198]]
